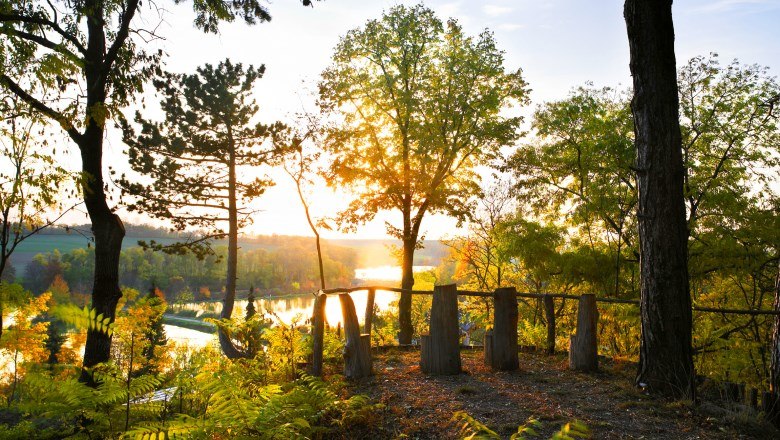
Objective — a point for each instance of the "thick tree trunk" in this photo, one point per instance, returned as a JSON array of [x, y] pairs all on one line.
[[108, 231], [107, 228], [774, 372], [405, 302], [666, 356]]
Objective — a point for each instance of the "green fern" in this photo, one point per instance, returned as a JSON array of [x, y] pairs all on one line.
[[572, 431], [528, 428], [84, 318], [473, 429]]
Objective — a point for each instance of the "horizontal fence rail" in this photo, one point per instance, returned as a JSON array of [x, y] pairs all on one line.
[[339, 290]]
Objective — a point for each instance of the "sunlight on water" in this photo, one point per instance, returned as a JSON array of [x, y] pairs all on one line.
[[299, 308], [185, 336]]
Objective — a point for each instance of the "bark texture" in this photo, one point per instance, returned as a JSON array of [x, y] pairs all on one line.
[[549, 315], [357, 351], [107, 228], [318, 343], [774, 372], [583, 348], [225, 342], [440, 352], [405, 301], [666, 356], [504, 353]]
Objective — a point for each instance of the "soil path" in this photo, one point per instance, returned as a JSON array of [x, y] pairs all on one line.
[[421, 407]]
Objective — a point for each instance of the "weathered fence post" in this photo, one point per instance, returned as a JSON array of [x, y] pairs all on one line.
[[318, 327], [753, 399], [369, 311], [731, 392], [583, 347], [357, 357], [488, 348], [504, 352], [440, 350], [549, 313]]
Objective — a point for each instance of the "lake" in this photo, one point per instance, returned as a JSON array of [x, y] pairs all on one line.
[[299, 308], [288, 310]]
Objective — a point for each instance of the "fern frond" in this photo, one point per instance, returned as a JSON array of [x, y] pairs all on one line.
[[473, 429], [83, 318], [572, 430]]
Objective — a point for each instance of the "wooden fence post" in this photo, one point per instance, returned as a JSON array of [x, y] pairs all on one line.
[[357, 357], [440, 350], [583, 347], [318, 324], [504, 353], [369, 311], [488, 348], [753, 399], [549, 313], [731, 392]]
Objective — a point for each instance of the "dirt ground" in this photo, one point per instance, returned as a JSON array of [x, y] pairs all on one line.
[[418, 406]]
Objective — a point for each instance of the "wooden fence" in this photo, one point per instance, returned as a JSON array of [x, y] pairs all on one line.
[[440, 348]]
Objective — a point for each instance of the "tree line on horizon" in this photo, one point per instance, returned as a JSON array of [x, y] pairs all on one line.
[[289, 269]]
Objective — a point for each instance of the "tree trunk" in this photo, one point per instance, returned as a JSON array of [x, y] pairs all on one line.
[[405, 302], [666, 356], [318, 333], [107, 228], [369, 317], [549, 314], [225, 342], [774, 372]]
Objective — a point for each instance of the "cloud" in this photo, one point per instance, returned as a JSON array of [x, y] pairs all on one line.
[[731, 5], [510, 26], [495, 10]]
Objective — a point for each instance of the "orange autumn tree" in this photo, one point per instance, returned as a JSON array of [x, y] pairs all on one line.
[[24, 342]]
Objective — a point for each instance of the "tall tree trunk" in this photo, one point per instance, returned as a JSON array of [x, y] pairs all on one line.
[[225, 342], [107, 228], [774, 372], [666, 356], [407, 282], [109, 232]]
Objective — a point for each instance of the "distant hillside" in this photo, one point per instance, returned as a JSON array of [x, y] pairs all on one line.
[[371, 252]]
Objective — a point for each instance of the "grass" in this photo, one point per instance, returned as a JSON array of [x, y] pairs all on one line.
[[189, 323]]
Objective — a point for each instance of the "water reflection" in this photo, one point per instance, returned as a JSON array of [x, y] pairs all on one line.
[[299, 308], [189, 337]]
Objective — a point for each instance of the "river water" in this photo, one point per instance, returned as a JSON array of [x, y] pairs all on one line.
[[298, 308], [288, 310]]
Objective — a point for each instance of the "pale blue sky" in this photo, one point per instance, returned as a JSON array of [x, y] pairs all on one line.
[[559, 44]]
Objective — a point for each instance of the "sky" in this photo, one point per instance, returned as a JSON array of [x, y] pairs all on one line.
[[559, 44]]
